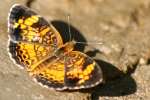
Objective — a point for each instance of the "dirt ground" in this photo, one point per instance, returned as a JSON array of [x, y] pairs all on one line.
[[123, 27]]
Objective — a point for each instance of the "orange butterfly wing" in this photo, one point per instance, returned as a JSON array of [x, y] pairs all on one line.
[[31, 38]]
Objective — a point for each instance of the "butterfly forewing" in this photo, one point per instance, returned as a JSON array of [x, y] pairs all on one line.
[[82, 71], [25, 25], [31, 38]]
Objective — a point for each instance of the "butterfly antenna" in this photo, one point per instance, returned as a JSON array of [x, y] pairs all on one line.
[[89, 43], [69, 30], [78, 42]]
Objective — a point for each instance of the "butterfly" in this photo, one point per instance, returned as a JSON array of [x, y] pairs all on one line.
[[36, 46]]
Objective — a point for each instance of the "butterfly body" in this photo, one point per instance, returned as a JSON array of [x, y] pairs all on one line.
[[35, 45]]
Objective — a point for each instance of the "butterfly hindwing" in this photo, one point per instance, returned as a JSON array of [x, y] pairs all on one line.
[[50, 73], [28, 54], [74, 70]]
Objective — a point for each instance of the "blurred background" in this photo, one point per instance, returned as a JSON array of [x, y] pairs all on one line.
[[123, 28]]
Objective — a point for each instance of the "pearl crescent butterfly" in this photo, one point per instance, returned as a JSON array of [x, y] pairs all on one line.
[[36, 46]]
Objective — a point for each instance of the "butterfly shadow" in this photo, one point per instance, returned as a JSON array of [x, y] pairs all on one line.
[[63, 29], [116, 82]]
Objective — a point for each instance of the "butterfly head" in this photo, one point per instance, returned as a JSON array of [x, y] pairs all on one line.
[[66, 48]]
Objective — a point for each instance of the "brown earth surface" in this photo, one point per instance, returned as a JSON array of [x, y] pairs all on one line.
[[123, 27]]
